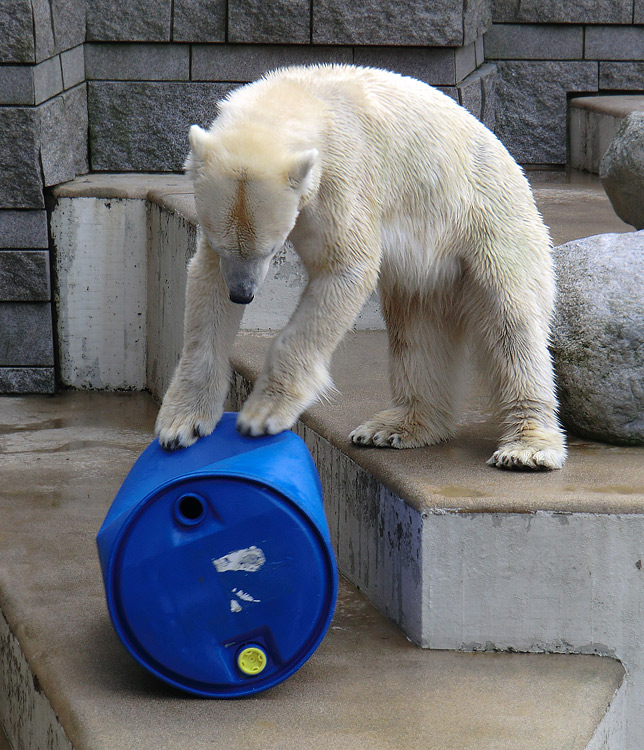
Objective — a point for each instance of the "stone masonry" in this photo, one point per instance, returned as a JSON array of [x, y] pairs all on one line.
[[108, 85]]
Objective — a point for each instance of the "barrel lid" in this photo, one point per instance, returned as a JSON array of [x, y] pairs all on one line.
[[214, 576]]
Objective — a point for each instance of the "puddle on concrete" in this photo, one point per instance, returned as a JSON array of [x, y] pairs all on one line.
[[53, 496], [78, 445], [47, 424], [609, 489]]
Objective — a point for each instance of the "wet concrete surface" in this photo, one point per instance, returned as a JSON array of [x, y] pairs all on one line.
[[63, 459], [597, 478], [574, 205]]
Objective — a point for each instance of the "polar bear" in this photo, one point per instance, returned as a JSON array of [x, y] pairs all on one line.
[[379, 180]]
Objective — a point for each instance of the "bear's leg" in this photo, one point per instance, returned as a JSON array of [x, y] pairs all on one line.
[[510, 323], [194, 402], [296, 371], [425, 358]]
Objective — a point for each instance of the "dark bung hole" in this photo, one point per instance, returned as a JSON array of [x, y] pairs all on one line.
[[190, 509]]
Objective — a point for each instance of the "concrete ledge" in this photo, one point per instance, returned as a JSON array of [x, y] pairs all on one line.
[[453, 476], [593, 123], [66, 682]]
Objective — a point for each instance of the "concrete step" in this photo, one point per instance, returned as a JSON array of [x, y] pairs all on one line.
[[593, 123], [66, 681], [459, 555]]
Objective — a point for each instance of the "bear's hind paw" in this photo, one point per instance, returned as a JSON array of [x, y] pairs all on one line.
[[394, 432], [521, 456]]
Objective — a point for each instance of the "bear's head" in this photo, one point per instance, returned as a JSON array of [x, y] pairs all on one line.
[[248, 191]]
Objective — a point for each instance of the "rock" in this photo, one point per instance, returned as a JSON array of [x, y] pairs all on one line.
[[622, 170], [598, 336]]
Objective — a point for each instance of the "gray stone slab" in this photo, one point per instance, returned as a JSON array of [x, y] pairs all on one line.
[[199, 21], [477, 93], [144, 126], [129, 21], [24, 276], [621, 76], [373, 22], [269, 21], [142, 62], [17, 85], [43, 29], [534, 42], [531, 116], [73, 64], [26, 334], [477, 19], [555, 11], [479, 47], [48, 79], [20, 176], [433, 65], [638, 11], [63, 145], [470, 95], [465, 61], [244, 63], [26, 380], [23, 229], [17, 32], [614, 43], [69, 19]]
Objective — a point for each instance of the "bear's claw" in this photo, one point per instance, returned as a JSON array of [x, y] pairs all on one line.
[[524, 457]]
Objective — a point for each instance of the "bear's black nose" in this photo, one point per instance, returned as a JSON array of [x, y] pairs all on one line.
[[241, 299]]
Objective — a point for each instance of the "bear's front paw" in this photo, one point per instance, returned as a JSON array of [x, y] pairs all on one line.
[[396, 428], [178, 427], [263, 415], [522, 456]]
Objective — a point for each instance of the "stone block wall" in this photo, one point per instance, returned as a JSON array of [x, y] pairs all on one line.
[[547, 51], [112, 85], [43, 141], [150, 78]]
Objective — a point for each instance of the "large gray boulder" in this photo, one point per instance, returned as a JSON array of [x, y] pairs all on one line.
[[622, 170], [598, 336]]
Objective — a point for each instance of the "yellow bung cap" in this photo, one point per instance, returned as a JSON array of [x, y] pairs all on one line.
[[251, 660]]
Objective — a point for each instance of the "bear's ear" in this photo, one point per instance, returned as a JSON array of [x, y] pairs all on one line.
[[299, 173], [199, 141]]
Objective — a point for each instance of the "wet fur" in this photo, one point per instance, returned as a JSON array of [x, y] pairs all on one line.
[[379, 180]]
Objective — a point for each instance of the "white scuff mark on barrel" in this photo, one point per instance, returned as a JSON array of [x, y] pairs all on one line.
[[235, 606], [244, 596], [248, 560]]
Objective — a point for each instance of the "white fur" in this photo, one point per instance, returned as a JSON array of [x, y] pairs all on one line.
[[377, 179]]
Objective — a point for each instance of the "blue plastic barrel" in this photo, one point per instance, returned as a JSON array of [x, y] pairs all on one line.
[[218, 569]]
